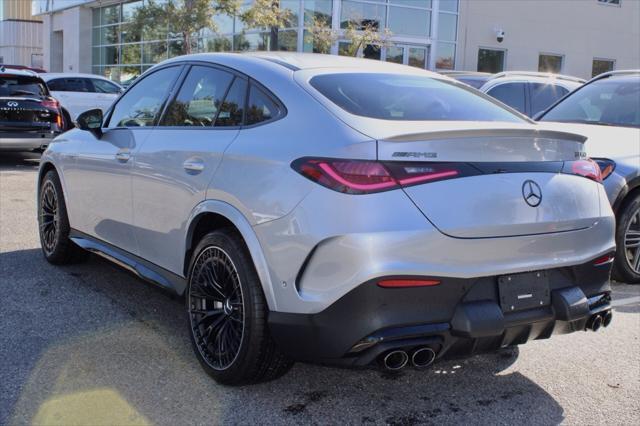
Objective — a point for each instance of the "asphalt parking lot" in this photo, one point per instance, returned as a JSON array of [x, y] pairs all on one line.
[[91, 344]]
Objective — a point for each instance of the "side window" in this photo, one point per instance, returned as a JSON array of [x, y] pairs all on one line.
[[199, 99], [56, 85], [232, 108], [543, 95], [76, 85], [260, 106], [103, 86], [511, 94], [140, 106]]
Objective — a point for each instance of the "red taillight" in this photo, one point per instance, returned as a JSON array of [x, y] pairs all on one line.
[[50, 103], [604, 260], [586, 168], [405, 283], [365, 177]]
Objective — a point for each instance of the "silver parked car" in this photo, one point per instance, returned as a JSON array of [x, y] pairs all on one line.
[[529, 92], [335, 210], [607, 111]]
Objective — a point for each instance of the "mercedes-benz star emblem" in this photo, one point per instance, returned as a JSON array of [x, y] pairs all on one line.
[[12, 104], [532, 193]]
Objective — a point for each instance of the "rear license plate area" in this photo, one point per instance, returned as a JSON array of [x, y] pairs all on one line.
[[524, 291]]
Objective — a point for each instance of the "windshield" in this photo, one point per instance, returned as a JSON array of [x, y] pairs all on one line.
[[408, 97], [21, 86], [614, 101]]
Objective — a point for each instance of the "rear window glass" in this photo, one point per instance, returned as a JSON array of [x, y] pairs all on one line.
[[21, 86], [612, 101], [407, 97]]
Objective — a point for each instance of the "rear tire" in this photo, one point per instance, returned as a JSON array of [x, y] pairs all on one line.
[[227, 314], [626, 267], [53, 224]]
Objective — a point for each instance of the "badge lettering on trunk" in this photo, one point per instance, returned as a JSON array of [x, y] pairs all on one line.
[[532, 193]]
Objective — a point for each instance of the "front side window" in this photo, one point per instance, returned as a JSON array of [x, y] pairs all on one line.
[[103, 86], [260, 106], [407, 97], [199, 98], [611, 101], [544, 95], [512, 94], [550, 63], [141, 105], [490, 60]]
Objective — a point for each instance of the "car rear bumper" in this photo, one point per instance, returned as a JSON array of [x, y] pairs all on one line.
[[25, 141], [458, 317]]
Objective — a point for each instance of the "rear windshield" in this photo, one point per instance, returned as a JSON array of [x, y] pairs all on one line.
[[21, 86], [407, 97], [613, 102]]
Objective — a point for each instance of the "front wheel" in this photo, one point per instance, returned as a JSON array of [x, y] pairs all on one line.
[[227, 314], [627, 264]]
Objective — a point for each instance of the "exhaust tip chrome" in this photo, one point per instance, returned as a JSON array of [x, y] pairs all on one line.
[[423, 357], [606, 318], [395, 360], [594, 323]]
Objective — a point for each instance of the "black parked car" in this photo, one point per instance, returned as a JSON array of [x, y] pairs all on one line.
[[29, 116]]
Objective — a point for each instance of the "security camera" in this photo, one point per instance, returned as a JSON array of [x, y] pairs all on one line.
[[499, 35]]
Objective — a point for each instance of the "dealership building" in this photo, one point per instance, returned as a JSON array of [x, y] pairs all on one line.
[[576, 37]]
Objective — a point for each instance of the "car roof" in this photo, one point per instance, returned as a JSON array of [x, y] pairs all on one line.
[[18, 72], [294, 61], [51, 75], [616, 74]]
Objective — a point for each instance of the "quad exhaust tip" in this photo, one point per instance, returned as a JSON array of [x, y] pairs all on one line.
[[594, 323], [395, 360], [423, 357], [600, 320]]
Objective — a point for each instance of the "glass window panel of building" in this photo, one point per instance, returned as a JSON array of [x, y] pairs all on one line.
[[550, 63], [121, 51]]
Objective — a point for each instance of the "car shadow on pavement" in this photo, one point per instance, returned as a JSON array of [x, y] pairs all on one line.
[[89, 343], [15, 161]]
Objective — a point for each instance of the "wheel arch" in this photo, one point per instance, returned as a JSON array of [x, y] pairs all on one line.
[[213, 214], [630, 189]]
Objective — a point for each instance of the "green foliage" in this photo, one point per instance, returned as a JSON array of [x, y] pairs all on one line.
[[267, 15], [363, 35], [320, 35], [184, 18]]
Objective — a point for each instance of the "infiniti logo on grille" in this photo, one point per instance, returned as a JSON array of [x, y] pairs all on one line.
[[532, 193], [12, 104]]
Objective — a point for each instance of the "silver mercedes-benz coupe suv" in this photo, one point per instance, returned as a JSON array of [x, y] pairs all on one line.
[[334, 210]]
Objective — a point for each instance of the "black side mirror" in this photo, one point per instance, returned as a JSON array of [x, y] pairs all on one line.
[[91, 121]]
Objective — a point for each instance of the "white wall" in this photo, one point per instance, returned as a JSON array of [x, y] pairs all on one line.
[[581, 30], [75, 25], [19, 40]]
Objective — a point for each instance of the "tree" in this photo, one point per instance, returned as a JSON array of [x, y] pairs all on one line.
[[365, 34], [267, 15], [320, 35], [184, 17]]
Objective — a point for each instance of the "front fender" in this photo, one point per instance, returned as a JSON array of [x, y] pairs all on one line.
[[246, 230]]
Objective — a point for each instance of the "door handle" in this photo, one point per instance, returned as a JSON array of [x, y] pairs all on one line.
[[193, 165], [123, 156]]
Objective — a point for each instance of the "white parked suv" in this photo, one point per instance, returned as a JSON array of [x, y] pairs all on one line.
[[529, 92], [81, 92]]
